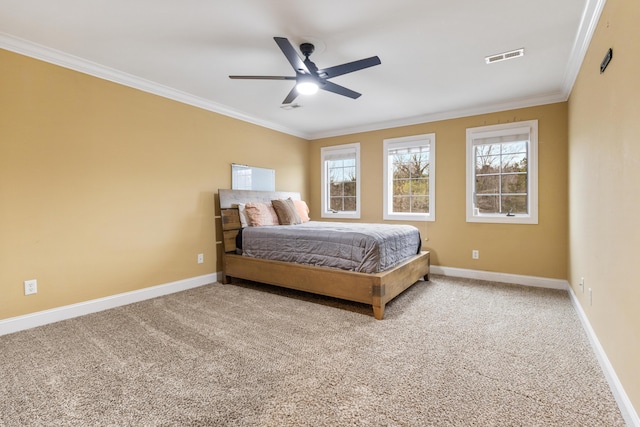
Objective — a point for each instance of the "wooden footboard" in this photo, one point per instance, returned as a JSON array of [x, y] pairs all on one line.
[[375, 289]]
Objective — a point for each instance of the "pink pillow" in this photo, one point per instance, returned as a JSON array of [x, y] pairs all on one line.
[[260, 214], [302, 209]]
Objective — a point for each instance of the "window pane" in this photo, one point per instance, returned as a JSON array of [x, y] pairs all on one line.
[[420, 204], [417, 165], [488, 204], [410, 179], [514, 162], [335, 190], [336, 175], [349, 173], [342, 176], [514, 147], [516, 183], [400, 171], [336, 203], [420, 187], [401, 204], [501, 173], [349, 204], [401, 187], [349, 188], [488, 184], [514, 204], [487, 164]]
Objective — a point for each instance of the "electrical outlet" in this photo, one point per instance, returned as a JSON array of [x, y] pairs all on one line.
[[590, 297], [475, 254], [200, 258], [30, 287]]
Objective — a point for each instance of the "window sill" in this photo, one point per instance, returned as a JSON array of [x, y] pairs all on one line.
[[409, 217], [340, 215], [503, 219]]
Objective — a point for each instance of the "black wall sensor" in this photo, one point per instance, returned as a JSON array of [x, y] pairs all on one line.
[[606, 60]]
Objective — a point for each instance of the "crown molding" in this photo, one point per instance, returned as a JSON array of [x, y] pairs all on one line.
[[453, 114], [588, 24], [75, 63]]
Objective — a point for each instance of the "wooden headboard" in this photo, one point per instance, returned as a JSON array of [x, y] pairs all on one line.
[[229, 200]]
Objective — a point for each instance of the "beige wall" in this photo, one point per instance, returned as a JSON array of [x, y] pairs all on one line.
[[105, 189], [604, 152], [534, 250]]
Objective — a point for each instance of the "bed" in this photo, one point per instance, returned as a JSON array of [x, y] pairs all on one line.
[[375, 283]]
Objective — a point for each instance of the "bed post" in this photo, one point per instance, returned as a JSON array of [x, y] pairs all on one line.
[[378, 291], [378, 311], [230, 229]]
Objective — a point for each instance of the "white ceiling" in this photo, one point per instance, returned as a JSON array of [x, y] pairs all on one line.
[[432, 53]]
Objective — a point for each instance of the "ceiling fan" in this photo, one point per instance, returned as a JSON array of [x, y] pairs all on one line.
[[308, 77]]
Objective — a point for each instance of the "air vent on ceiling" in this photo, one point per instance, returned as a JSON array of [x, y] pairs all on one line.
[[504, 56]]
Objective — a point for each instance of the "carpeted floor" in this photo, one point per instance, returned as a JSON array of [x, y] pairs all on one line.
[[450, 352]]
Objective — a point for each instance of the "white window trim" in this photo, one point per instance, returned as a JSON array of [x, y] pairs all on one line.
[[532, 162], [405, 142], [325, 211]]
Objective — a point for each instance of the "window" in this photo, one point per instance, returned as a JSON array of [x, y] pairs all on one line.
[[341, 181], [409, 178], [502, 173]]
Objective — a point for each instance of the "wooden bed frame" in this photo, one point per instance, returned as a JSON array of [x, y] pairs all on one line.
[[375, 289]]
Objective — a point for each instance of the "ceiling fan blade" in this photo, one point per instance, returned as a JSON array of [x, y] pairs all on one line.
[[349, 67], [263, 77], [292, 56], [340, 90], [291, 96]]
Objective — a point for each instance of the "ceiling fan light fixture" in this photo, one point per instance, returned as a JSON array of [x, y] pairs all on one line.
[[307, 88]]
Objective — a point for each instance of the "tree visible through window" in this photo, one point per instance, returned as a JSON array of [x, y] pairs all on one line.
[[502, 173], [409, 176], [501, 177], [340, 181], [410, 179], [342, 184]]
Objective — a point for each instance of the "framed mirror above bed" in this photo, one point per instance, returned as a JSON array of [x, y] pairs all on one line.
[[245, 177]]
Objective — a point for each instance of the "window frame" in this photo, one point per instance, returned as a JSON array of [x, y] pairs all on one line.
[[507, 129], [387, 192], [326, 212]]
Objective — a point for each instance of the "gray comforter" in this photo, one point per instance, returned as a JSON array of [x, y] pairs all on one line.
[[365, 248]]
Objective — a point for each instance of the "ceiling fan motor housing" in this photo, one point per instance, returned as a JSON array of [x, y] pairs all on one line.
[[307, 49]]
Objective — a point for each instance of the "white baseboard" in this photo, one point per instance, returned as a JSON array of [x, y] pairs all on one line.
[[626, 407], [19, 323], [540, 282]]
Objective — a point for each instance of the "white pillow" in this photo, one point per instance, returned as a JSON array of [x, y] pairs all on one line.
[[243, 215]]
